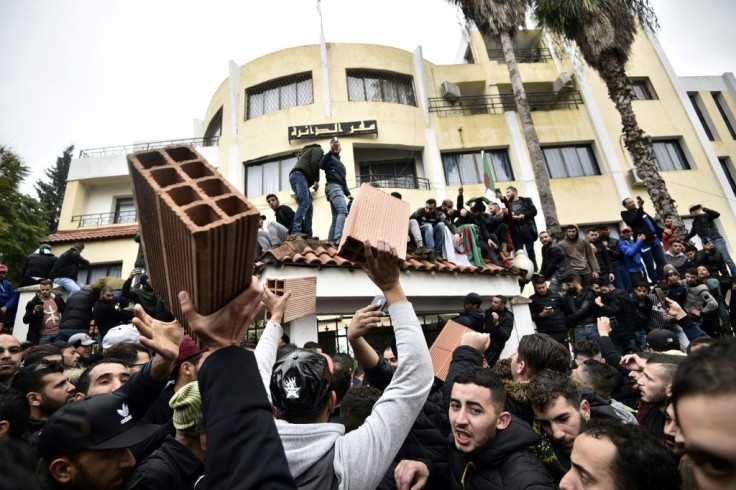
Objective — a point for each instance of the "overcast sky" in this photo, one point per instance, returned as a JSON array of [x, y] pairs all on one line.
[[99, 73]]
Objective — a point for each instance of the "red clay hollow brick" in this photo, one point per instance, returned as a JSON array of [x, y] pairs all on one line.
[[374, 215], [303, 299], [444, 345], [198, 231]]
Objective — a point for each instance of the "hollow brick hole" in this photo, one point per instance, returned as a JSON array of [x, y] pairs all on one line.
[[183, 195], [213, 187], [196, 170], [151, 159], [181, 154], [166, 176], [202, 215], [232, 206]]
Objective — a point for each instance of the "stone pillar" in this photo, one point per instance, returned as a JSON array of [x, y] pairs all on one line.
[[302, 330]]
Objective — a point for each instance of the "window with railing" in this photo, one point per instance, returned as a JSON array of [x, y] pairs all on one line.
[[669, 155], [641, 89], [124, 213], [522, 55], [467, 168], [268, 176], [570, 161], [498, 104], [380, 86], [279, 94], [400, 174]]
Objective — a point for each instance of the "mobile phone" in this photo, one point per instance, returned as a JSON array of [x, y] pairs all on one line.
[[379, 299], [660, 295], [547, 307]]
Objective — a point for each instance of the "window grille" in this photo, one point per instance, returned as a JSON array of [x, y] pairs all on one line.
[[378, 86], [279, 94], [641, 89]]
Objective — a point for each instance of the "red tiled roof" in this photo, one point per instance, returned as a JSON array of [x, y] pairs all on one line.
[[89, 234], [320, 253]]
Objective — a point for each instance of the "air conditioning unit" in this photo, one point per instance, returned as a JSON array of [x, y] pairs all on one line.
[[635, 179], [563, 82], [450, 92]]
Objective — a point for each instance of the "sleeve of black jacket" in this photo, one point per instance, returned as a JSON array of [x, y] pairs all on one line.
[[380, 375], [244, 450]]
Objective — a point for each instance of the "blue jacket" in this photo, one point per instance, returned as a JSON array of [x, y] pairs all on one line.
[[632, 254], [7, 294]]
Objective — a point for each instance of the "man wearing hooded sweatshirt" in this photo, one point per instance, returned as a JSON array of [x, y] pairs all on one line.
[[473, 316], [581, 255], [320, 455]]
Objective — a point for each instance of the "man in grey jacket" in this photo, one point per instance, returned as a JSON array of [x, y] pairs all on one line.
[[320, 454]]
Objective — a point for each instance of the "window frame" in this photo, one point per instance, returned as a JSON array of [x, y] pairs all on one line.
[[383, 80], [119, 202], [676, 147], [283, 174], [478, 166], [274, 88], [588, 147], [642, 83], [90, 272]]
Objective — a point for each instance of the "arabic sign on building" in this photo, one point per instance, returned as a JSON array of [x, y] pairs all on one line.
[[310, 131]]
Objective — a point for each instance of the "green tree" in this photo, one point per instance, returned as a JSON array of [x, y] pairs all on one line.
[[500, 19], [22, 222], [604, 31], [51, 192]]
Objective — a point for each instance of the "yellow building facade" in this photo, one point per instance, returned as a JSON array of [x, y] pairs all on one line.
[[408, 125]]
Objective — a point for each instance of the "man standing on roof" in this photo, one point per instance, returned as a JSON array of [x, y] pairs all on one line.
[[303, 177], [336, 190], [67, 266], [523, 228]]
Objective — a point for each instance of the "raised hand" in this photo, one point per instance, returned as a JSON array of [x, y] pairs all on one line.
[[228, 325], [276, 305]]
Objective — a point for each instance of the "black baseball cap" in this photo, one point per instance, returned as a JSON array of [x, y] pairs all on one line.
[[94, 422], [661, 340], [473, 298], [298, 384]]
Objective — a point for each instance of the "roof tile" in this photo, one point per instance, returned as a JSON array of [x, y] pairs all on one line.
[[89, 234]]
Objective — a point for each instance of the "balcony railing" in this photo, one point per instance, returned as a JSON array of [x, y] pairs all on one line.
[[394, 181], [529, 55], [498, 104], [149, 145], [101, 219]]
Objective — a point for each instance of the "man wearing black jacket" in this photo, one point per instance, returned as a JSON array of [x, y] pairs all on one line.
[[641, 223], [37, 266], [579, 307], [617, 303], [473, 316], [546, 310], [499, 323], [705, 227], [303, 177], [555, 264], [523, 229], [66, 268]]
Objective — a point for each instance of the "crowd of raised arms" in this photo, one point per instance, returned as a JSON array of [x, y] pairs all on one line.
[[629, 381]]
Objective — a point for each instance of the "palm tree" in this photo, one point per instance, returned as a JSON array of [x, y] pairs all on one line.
[[500, 20], [604, 31]]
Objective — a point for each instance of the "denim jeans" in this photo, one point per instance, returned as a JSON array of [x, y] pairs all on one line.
[[586, 332], [434, 236], [47, 339], [304, 209], [720, 245], [640, 338], [339, 208], [68, 284], [651, 255]]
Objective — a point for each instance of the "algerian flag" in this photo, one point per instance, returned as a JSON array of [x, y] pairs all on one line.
[[487, 175]]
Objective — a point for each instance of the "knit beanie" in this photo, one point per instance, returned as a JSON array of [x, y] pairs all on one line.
[[187, 404]]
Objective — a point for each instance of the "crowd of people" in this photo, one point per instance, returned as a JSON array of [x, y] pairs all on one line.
[[620, 396]]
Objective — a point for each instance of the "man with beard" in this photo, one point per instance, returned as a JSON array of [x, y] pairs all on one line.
[[546, 310], [555, 265], [675, 442], [703, 394], [500, 324], [621, 274], [110, 312], [490, 446], [10, 357], [561, 413], [473, 316], [581, 256], [43, 314], [46, 389], [655, 385]]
